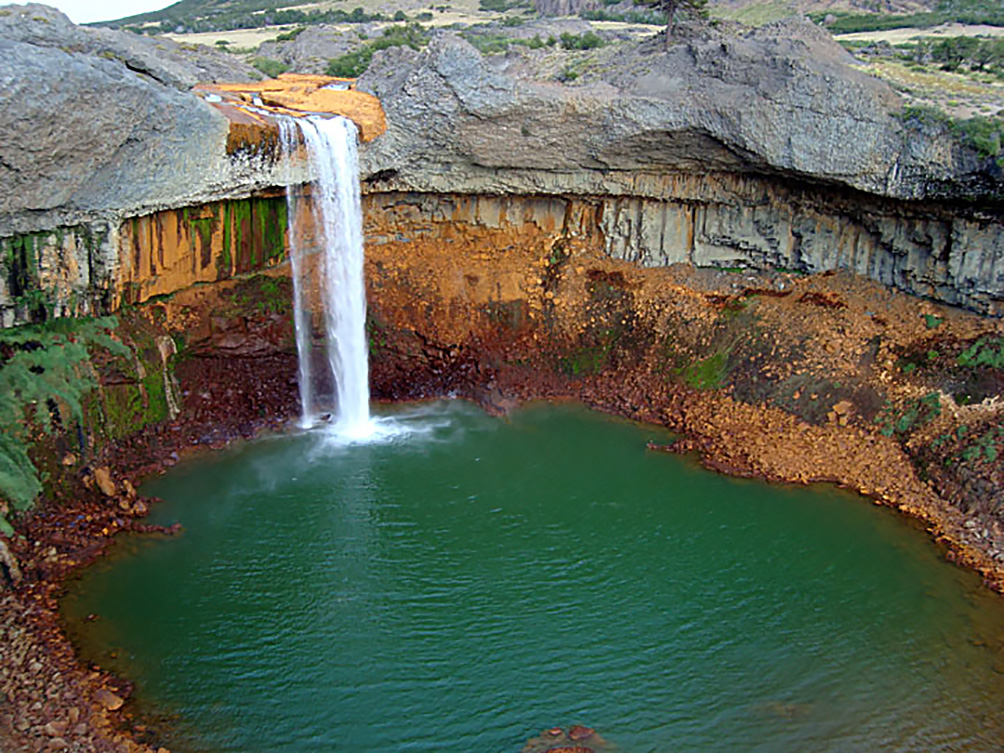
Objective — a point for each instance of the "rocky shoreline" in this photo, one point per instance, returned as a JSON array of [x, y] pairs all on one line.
[[55, 702]]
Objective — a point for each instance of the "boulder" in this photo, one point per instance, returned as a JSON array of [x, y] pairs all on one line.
[[98, 125], [103, 478], [108, 700]]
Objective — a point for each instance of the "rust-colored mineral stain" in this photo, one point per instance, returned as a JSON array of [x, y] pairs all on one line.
[[298, 95]]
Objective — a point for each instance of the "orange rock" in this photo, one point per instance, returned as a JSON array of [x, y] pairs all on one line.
[[298, 95], [103, 478]]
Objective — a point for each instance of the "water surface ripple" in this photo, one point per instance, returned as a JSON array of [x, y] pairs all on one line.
[[469, 581]]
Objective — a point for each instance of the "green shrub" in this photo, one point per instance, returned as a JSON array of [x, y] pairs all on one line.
[[650, 18], [587, 41], [270, 67], [488, 44], [289, 36], [45, 372], [354, 64], [914, 415], [987, 352], [501, 6], [984, 134], [707, 373]]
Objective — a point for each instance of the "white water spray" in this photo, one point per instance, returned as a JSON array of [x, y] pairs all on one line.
[[331, 145]]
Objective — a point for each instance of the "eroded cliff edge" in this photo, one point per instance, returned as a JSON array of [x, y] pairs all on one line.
[[760, 148]]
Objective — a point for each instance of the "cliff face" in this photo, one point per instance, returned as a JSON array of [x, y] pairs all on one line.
[[119, 177], [98, 127], [783, 101], [767, 149], [754, 149]]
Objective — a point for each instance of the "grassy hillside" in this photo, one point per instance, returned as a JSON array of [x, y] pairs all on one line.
[[990, 12], [193, 16], [191, 9], [839, 16]]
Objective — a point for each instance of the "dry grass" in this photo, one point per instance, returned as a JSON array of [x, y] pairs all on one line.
[[244, 38], [912, 34], [755, 14], [957, 94], [458, 11]]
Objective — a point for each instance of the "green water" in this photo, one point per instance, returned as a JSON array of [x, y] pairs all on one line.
[[477, 580]]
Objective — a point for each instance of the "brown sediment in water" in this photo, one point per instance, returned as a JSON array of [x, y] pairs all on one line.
[[800, 396]]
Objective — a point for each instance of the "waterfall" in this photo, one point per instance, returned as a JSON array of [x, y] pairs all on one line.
[[301, 315], [331, 147]]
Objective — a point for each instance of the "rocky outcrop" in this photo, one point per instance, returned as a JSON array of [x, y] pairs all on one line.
[[754, 148], [102, 144], [311, 49], [763, 148], [564, 7], [98, 125], [91, 137], [297, 94], [157, 59], [783, 100]]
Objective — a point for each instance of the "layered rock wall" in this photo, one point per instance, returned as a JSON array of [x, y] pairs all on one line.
[[728, 222], [720, 221], [755, 150], [736, 221], [172, 250]]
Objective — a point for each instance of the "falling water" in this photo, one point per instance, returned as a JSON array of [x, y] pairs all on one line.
[[288, 133], [331, 145]]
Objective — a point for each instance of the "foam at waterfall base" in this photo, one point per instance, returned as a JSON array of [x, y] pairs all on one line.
[[426, 420]]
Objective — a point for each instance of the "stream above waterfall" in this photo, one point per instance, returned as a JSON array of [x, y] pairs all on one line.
[[465, 582]]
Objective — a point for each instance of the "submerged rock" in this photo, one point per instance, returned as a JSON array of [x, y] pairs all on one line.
[[558, 740]]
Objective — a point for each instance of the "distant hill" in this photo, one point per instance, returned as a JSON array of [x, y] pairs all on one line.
[[190, 12], [839, 16]]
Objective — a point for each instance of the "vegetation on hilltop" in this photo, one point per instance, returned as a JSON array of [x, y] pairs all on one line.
[[970, 53], [985, 135], [957, 82], [989, 12], [180, 20]]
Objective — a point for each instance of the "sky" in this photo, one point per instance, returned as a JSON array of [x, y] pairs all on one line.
[[85, 11]]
